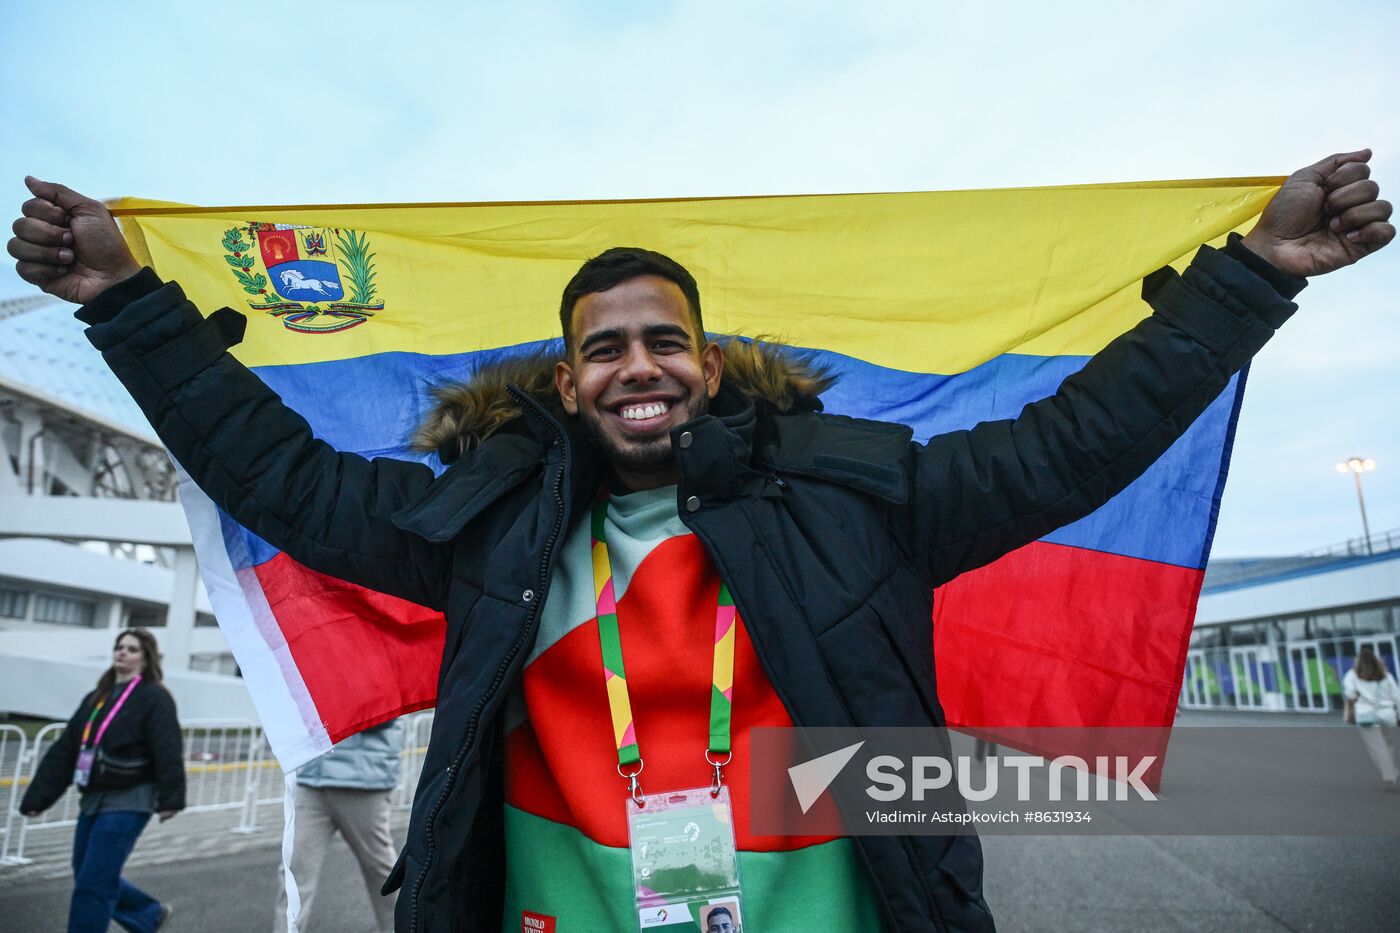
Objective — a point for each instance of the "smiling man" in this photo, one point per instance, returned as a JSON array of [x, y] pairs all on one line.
[[650, 548], [636, 360]]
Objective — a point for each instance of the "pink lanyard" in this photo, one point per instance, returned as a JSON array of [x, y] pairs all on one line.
[[107, 721]]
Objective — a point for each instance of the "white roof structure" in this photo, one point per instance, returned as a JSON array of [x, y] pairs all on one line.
[[91, 540], [43, 353]]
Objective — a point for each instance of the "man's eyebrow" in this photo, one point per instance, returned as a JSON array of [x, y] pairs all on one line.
[[666, 330], [617, 333], [598, 336]]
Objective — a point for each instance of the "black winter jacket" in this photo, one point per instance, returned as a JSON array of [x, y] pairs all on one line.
[[831, 533], [146, 727]]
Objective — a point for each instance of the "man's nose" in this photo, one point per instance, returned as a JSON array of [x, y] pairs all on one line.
[[639, 365]]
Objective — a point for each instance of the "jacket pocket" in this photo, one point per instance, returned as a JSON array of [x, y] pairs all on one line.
[[883, 679], [857, 652]]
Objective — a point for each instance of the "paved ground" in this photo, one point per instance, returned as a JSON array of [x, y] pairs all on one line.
[[1033, 884], [218, 881]]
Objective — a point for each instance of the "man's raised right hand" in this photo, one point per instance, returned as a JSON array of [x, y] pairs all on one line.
[[69, 245]]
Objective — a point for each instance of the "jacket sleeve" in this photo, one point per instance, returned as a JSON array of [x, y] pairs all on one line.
[[55, 771], [167, 747], [255, 457], [981, 493]]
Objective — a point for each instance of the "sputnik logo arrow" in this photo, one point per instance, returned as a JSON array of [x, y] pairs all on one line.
[[811, 778]]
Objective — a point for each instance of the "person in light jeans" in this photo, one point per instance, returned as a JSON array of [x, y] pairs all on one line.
[[346, 790], [1372, 700]]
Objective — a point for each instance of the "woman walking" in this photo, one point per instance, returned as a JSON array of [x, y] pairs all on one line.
[[1372, 699], [123, 749]]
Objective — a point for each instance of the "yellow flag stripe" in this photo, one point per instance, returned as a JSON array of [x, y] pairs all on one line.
[[924, 282]]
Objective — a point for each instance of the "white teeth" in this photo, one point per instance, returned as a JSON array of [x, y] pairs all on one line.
[[643, 412]]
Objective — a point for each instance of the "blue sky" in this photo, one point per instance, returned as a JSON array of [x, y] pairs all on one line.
[[251, 103]]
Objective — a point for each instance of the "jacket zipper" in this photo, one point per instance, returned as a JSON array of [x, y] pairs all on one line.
[[530, 624]]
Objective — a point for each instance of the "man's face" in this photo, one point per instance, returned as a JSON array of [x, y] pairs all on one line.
[[637, 370], [720, 922]]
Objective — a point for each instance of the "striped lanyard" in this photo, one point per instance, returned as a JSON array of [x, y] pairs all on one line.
[[97, 708], [629, 758]]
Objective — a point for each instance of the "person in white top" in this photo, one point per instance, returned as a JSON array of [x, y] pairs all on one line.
[[1372, 701]]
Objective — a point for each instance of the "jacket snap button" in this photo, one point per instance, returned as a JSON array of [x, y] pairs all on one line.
[[527, 596], [686, 439], [692, 504]]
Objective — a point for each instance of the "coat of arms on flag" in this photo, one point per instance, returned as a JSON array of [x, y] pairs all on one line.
[[301, 279]]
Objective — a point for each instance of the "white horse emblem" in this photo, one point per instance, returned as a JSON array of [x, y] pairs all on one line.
[[292, 281]]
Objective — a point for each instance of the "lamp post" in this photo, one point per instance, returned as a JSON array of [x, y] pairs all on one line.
[[1356, 466]]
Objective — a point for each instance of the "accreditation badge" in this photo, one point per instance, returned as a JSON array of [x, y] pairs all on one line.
[[83, 771], [685, 864]]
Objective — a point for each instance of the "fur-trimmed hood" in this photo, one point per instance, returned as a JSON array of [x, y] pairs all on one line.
[[779, 377]]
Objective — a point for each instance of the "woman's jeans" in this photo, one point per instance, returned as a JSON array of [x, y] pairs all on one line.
[[100, 895]]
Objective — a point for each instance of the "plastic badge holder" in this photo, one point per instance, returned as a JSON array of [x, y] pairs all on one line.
[[83, 772], [685, 865]]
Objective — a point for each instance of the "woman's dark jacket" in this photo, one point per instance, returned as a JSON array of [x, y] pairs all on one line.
[[145, 728], [831, 533]]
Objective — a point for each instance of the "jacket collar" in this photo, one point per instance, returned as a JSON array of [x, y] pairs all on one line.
[[473, 482]]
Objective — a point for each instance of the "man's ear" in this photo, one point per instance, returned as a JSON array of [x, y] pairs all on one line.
[[712, 365], [566, 387]]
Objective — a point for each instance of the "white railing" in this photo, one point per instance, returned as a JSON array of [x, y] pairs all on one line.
[[13, 746], [228, 766], [62, 813]]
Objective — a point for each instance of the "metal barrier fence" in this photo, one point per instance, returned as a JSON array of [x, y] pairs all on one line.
[[13, 745], [228, 766]]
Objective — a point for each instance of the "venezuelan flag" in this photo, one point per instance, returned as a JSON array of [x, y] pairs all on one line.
[[937, 309]]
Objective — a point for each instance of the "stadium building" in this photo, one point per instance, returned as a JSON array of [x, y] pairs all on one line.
[[91, 538], [1280, 633]]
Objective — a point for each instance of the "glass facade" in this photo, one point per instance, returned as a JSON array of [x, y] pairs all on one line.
[[143, 616], [64, 610], [14, 604], [1292, 663]]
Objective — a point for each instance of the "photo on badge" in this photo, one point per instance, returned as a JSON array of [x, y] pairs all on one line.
[[722, 917]]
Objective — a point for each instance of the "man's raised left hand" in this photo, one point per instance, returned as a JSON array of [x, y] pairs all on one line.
[[1325, 216]]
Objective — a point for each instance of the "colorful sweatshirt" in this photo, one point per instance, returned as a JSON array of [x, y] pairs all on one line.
[[567, 863]]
